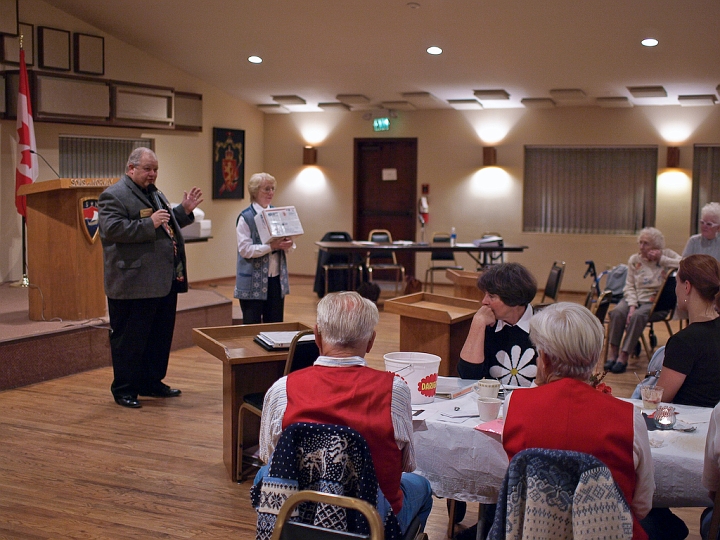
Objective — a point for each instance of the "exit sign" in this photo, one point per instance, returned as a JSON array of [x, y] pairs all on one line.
[[381, 124]]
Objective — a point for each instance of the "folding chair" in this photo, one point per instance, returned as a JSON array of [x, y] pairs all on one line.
[[552, 286], [378, 260], [662, 310], [445, 258]]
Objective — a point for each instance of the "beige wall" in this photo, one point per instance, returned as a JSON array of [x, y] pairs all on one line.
[[474, 200], [184, 157], [450, 158]]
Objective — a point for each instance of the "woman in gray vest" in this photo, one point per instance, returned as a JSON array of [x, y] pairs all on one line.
[[261, 281]]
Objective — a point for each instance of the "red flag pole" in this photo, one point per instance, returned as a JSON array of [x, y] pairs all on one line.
[[27, 166]]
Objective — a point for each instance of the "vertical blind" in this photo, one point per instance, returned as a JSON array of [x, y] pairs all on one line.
[[705, 181], [592, 190], [96, 157]]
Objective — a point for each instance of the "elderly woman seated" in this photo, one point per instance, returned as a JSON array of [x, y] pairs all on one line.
[[569, 340], [647, 270]]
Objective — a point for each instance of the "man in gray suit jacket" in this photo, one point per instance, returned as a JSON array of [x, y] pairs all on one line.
[[144, 257]]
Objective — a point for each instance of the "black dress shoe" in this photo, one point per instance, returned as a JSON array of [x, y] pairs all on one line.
[[619, 367], [128, 401], [609, 365], [163, 391]]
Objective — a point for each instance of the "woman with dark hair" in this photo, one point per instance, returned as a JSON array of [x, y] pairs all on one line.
[[691, 370], [498, 344]]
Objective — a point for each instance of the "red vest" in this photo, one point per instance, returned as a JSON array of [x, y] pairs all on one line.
[[571, 415], [358, 397]]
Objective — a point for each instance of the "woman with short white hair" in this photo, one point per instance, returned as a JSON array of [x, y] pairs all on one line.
[[647, 270], [569, 339], [707, 242], [261, 280]]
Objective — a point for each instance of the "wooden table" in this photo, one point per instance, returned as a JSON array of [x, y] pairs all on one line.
[[435, 324], [476, 252], [247, 368]]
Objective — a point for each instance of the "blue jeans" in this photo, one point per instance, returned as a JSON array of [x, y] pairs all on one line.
[[417, 498]]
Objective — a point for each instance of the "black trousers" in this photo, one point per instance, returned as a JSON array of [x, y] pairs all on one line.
[[140, 340], [265, 311]]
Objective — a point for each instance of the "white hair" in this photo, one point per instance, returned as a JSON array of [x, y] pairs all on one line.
[[256, 181], [571, 338], [346, 318], [711, 209], [654, 236]]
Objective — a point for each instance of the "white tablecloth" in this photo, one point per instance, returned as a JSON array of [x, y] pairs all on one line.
[[466, 464]]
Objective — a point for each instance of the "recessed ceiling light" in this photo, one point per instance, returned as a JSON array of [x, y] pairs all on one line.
[[254, 59], [434, 50], [650, 42]]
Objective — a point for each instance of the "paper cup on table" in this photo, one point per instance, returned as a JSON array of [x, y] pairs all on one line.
[[488, 408], [418, 370], [487, 388]]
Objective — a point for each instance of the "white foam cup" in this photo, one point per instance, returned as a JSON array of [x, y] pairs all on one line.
[[488, 408]]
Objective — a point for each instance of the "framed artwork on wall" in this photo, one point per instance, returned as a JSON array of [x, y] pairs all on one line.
[[9, 17], [53, 48], [228, 163], [89, 54], [11, 46]]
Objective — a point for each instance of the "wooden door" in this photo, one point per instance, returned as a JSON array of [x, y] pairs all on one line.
[[386, 190]]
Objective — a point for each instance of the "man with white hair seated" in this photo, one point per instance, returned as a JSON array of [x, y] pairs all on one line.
[[341, 389]]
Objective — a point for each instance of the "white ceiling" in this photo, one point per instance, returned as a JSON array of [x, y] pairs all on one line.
[[318, 49]]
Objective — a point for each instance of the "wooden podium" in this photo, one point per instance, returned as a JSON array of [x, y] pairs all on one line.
[[465, 283], [434, 324], [65, 264]]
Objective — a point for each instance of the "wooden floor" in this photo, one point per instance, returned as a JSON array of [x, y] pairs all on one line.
[[75, 465]]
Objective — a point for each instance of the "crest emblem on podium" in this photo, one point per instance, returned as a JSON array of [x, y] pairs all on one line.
[[89, 218]]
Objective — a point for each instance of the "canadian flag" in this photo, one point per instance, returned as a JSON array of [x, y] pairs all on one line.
[[27, 163]]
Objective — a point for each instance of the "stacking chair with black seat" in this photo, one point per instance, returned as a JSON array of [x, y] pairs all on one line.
[[552, 286], [384, 261], [662, 310], [301, 354], [337, 271], [560, 494], [440, 260]]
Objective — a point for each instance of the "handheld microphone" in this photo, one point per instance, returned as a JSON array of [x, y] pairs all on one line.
[[158, 197], [46, 161]]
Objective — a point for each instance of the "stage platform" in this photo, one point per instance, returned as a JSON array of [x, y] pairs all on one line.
[[35, 351]]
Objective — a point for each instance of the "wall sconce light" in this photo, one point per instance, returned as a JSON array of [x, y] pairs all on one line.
[[673, 157], [309, 155], [489, 156]]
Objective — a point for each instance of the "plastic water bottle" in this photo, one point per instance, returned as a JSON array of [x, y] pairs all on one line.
[[453, 236]]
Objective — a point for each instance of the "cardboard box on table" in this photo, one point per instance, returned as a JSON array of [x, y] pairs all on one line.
[[435, 324]]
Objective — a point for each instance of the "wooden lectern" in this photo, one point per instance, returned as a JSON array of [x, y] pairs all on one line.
[[65, 264], [465, 283], [435, 324]]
